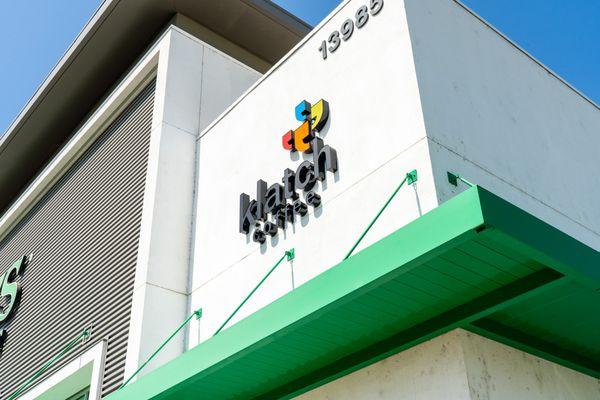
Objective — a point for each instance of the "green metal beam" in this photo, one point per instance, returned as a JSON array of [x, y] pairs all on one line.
[[455, 318], [520, 340], [546, 244]]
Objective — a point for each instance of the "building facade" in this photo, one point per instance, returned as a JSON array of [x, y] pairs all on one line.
[[215, 200]]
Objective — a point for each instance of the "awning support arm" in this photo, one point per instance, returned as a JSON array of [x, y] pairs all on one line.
[[453, 178], [290, 254], [83, 335], [411, 178], [197, 314]]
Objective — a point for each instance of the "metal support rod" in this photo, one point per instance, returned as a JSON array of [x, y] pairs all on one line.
[[454, 178], [411, 178], [290, 254], [83, 335], [197, 314]]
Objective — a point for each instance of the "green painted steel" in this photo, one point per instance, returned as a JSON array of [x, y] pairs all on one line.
[[473, 262], [545, 325], [290, 254], [197, 314], [82, 336], [411, 177], [453, 179]]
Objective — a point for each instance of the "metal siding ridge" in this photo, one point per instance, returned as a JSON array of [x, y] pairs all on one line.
[[84, 234]]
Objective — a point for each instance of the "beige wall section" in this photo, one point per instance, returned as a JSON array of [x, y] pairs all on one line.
[[461, 365]]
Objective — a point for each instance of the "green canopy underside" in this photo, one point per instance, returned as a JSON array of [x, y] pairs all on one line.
[[476, 262]]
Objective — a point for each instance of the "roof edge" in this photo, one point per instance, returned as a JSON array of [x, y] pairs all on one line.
[[118, 32], [526, 53]]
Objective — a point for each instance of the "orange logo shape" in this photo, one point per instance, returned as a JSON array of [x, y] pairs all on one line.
[[313, 118]]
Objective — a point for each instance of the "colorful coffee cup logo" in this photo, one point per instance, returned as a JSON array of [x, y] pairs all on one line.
[[313, 119], [278, 204]]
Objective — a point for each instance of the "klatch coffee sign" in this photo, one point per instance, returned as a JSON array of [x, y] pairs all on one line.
[[280, 203]]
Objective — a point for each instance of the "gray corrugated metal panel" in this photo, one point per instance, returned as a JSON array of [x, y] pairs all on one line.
[[124, 306], [84, 236]]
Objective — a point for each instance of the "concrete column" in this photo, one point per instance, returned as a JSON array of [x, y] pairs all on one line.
[[194, 84], [160, 294]]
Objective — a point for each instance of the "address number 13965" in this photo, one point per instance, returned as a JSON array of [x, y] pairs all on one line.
[[347, 29]]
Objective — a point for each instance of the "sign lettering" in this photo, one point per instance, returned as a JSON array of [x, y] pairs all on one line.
[[278, 204]]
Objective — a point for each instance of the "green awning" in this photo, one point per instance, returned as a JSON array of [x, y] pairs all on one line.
[[476, 262]]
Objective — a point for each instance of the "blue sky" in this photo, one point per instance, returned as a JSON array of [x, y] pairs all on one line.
[[563, 34]]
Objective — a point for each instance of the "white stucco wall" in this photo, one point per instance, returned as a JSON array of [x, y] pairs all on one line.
[[502, 120], [461, 365], [376, 127]]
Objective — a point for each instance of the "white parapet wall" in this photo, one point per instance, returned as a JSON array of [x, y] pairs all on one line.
[[376, 127], [503, 120], [461, 366]]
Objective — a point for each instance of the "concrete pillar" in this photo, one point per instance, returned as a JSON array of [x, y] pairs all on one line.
[[194, 84]]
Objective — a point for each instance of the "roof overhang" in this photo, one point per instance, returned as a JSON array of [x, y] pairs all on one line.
[[476, 262], [107, 47]]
